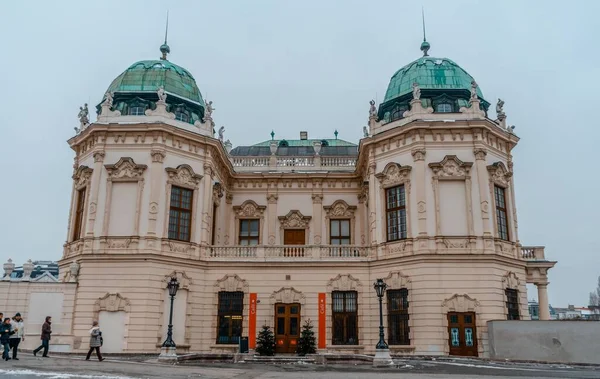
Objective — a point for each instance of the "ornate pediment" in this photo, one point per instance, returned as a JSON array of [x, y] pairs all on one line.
[[340, 209], [510, 280], [451, 167], [249, 209], [112, 302], [393, 175], [82, 176], [343, 283], [125, 169], [395, 280], [183, 175], [294, 220], [287, 295], [460, 303], [231, 283], [182, 278], [499, 174]]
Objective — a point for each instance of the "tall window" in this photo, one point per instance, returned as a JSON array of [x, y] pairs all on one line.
[[395, 210], [249, 232], [180, 214], [398, 317], [230, 317], [512, 304], [501, 214], [340, 232], [137, 110], [79, 214], [345, 318]]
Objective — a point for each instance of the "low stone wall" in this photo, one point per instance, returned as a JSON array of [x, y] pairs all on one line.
[[548, 341]]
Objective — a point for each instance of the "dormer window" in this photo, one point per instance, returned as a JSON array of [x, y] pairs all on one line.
[[443, 108], [136, 110], [284, 143], [324, 142], [180, 116]]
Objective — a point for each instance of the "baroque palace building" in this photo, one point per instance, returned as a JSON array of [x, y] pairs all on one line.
[[288, 230]]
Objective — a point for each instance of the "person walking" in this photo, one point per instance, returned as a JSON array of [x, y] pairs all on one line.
[[46, 332], [95, 341], [18, 327], [5, 332]]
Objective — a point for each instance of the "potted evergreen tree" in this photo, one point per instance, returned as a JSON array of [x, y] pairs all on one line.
[[307, 342], [265, 343]]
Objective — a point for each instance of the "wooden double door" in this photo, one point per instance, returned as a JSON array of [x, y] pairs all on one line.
[[287, 328], [462, 334]]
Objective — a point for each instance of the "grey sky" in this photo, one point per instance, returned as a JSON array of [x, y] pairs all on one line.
[[309, 65]]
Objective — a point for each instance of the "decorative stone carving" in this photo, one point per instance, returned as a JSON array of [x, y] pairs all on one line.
[[153, 208], [249, 209], [208, 110], [158, 156], [99, 156], [480, 154], [418, 154], [231, 283], [112, 302], [287, 295], [108, 99], [340, 209], [118, 243], [474, 90], [421, 207], [180, 247], [184, 175], [416, 91], [395, 280], [485, 206], [229, 198], [217, 192], [125, 169], [343, 283], [365, 131], [393, 175], [460, 303], [294, 220], [272, 198], [28, 269], [317, 198], [451, 167], [162, 95], [84, 120], [372, 109], [74, 271], [221, 131], [184, 280], [9, 267], [460, 243], [82, 176], [510, 280], [500, 110], [499, 174]]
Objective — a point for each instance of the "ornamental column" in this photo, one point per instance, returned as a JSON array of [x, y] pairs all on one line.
[[543, 300], [206, 205], [94, 190], [420, 172], [156, 176], [272, 218]]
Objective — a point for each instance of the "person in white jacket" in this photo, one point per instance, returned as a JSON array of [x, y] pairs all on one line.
[[18, 327]]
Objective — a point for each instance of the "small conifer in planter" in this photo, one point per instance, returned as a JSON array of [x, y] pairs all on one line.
[[265, 343], [307, 342]]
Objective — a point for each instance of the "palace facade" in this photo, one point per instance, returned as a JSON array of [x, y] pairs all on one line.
[[288, 230]]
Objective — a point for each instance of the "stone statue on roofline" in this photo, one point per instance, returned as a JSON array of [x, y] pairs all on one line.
[[83, 116], [221, 131], [416, 91], [500, 109], [108, 99], [162, 95], [473, 90], [372, 109], [209, 109], [365, 131]]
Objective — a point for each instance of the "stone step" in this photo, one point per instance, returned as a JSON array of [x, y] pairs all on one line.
[[283, 359]]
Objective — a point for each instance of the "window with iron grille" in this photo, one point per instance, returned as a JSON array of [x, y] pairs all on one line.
[[249, 232], [395, 209], [501, 214], [180, 213], [345, 317], [512, 304], [230, 317], [397, 302], [79, 214], [339, 232]]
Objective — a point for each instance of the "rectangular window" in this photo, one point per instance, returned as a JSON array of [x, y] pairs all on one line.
[[345, 317], [230, 317], [180, 214], [339, 232], [79, 214], [512, 304], [395, 210], [249, 232], [501, 214], [398, 317]]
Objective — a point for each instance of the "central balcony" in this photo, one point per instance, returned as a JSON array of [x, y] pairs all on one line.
[[293, 163], [291, 252]]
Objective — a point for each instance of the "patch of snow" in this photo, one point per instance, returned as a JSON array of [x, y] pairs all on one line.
[[59, 375]]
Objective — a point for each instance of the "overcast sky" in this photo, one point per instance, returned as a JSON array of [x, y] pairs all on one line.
[[310, 65]]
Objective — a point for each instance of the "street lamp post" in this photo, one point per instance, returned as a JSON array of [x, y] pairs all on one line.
[[168, 349], [382, 351]]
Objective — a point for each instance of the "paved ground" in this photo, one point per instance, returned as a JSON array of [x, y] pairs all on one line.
[[29, 367]]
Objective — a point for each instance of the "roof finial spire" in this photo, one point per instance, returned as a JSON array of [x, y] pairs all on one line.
[[164, 48], [425, 45]]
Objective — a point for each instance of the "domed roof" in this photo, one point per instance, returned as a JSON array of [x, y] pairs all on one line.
[[429, 73], [148, 76]]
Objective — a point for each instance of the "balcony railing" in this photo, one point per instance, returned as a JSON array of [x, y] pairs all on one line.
[[533, 253], [289, 163], [303, 252]]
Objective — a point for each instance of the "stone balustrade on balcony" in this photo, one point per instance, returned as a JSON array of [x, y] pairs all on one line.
[[289, 163], [277, 252], [533, 253]]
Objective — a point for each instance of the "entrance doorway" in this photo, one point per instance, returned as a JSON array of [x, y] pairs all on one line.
[[295, 237], [287, 328], [462, 334]]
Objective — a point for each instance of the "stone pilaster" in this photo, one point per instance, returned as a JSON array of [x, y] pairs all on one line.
[[272, 218], [420, 172], [317, 200], [206, 205], [156, 176], [372, 209], [94, 190]]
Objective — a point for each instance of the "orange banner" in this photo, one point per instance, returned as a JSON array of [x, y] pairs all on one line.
[[252, 322], [322, 340]]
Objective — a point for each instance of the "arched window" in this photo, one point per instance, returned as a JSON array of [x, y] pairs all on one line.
[[443, 108], [181, 116], [136, 110], [398, 112], [283, 143], [324, 142]]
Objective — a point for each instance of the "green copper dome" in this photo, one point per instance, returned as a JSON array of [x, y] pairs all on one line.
[[147, 76], [429, 73]]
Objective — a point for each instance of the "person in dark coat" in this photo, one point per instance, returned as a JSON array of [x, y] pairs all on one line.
[[5, 333], [46, 332], [95, 341]]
